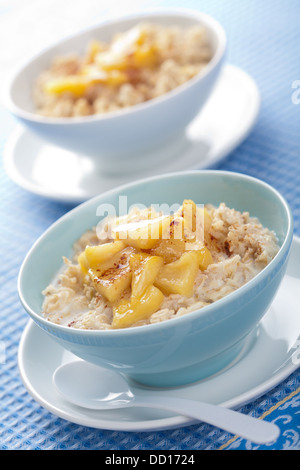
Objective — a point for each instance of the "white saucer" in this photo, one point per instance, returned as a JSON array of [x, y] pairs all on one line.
[[270, 356], [223, 124]]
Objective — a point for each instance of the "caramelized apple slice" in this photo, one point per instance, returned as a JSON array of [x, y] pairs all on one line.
[[112, 276], [112, 283], [145, 56], [204, 257], [78, 84], [189, 214], [94, 256], [169, 250], [143, 234], [145, 269], [129, 50], [179, 276], [94, 48], [129, 311]]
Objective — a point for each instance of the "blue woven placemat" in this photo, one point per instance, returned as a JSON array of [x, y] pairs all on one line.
[[264, 38]]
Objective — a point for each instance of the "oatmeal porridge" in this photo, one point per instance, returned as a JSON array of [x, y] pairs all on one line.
[[147, 267], [138, 65]]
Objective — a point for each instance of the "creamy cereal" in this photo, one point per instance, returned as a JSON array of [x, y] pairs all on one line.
[[136, 66], [111, 276]]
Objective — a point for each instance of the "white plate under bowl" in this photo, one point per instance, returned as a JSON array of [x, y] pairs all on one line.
[[222, 125], [270, 356]]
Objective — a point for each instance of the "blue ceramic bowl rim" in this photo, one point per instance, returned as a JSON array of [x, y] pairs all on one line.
[[189, 317], [164, 12]]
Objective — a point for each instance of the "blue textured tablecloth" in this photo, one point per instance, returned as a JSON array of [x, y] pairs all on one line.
[[264, 40]]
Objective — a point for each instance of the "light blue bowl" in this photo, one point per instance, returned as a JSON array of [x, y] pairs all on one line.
[[185, 349]]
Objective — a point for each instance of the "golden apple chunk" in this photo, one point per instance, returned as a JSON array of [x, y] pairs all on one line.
[[94, 256], [143, 234], [113, 275], [112, 283], [145, 269], [130, 311], [179, 277]]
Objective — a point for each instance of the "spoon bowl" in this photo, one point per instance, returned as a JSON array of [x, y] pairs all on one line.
[[92, 387], [84, 384]]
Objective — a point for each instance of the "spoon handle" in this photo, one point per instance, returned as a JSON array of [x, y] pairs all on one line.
[[248, 427]]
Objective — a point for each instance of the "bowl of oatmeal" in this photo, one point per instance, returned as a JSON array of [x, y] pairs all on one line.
[[123, 87], [165, 279]]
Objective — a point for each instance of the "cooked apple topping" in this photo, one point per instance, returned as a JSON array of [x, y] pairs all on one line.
[[148, 267], [109, 65], [130, 68], [148, 260]]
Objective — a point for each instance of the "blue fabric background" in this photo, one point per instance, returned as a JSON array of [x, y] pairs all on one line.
[[264, 40]]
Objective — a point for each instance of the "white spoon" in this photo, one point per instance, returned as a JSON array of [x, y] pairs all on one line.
[[89, 386]]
